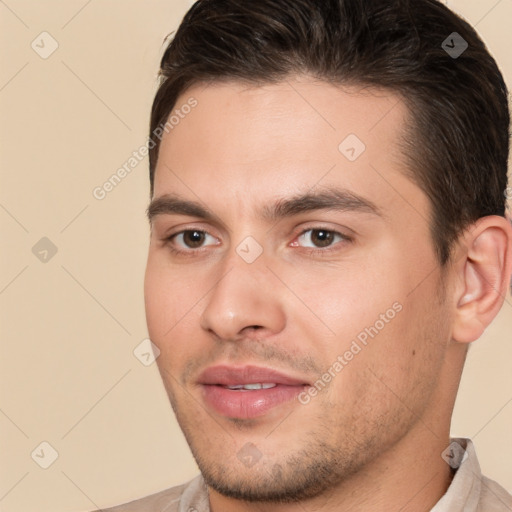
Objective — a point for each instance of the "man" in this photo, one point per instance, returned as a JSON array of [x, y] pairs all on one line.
[[328, 236]]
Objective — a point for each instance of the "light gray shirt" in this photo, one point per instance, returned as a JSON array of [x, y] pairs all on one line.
[[469, 491]]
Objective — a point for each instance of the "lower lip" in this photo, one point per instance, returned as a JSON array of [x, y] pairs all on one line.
[[250, 403]]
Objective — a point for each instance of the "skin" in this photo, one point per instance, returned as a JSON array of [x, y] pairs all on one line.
[[372, 438]]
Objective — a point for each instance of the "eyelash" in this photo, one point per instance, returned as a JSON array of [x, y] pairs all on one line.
[[311, 251]]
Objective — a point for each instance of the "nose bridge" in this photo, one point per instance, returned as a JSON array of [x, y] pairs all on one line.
[[243, 296]]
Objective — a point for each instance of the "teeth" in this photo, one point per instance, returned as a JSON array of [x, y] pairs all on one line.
[[252, 386]]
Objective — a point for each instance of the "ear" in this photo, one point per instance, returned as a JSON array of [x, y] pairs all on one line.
[[484, 271]]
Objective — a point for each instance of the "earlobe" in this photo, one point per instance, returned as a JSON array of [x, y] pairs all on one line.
[[485, 275]]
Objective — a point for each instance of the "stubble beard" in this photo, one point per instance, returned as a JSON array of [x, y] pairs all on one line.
[[310, 464]]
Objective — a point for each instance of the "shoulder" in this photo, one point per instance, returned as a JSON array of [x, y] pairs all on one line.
[[493, 497], [168, 500]]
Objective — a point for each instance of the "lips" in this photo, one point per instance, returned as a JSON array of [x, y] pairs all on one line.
[[248, 391], [232, 375]]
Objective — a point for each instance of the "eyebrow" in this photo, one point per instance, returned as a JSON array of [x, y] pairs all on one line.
[[330, 199]]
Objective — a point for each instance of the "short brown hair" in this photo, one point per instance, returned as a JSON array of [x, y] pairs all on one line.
[[457, 145]]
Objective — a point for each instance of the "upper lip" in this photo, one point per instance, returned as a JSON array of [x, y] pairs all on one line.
[[223, 375]]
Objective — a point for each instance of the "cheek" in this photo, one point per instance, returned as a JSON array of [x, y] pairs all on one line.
[[165, 301], [365, 311], [405, 359], [172, 303], [168, 294], [345, 299], [155, 299]]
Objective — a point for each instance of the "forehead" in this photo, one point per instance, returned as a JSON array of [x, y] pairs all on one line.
[[283, 138], [298, 108]]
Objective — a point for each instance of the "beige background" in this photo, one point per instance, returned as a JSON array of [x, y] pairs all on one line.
[[69, 325]]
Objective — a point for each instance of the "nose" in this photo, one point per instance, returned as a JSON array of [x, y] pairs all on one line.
[[244, 302]]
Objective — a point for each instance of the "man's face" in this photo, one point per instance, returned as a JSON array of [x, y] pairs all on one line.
[[334, 305]]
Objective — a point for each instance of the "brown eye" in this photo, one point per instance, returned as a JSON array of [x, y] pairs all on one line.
[[322, 238], [319, 238], [193, 239]]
